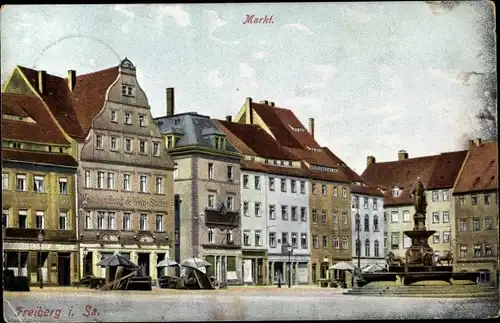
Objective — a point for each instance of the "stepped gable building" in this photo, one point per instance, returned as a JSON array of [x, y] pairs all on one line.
[[207, 186], [275, 212], [476, 210], [38, 188]]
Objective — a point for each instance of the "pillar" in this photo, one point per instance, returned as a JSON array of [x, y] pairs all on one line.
[[272, 272], [296, 269]]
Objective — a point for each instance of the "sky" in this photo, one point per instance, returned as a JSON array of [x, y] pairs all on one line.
[[377, 77]]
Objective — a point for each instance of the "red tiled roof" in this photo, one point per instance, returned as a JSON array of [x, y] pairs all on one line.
[[271, 169], [351, 175], [58, 100], [366, 190], [44, 130], [38, 157], [446, 170], [314, 157], [289, 119], [89, 94], [480, 169]]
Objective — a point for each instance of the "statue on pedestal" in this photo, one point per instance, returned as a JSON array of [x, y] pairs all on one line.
[[417, 193]]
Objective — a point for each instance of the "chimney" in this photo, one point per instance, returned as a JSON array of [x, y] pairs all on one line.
[[71, 79], [170, 101], [471, 143], [249, 117], [311, 126], [402, 155], [272, 104], [370, 160], [478, 142], [229, 118], [266, 102], [42, 82]]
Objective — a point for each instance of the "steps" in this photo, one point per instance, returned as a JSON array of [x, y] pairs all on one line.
[[464, 291]]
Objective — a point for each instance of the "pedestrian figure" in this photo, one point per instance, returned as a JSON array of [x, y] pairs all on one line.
[[279, 279]]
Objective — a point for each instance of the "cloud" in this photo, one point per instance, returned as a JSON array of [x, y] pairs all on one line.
[[441, 7], [212, 78], [247, 72], [258, 55], [121, 8], [300, 27], [176, 11], [324, 73], [92, 62], [466, 78], [215, 22]]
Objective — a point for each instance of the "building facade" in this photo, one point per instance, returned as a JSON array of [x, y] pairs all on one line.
[[207, 181]]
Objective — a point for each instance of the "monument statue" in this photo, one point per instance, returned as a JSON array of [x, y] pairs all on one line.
[[417, 193]]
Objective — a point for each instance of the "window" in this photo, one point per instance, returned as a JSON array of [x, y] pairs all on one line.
[[354, 202], [474, 199], [170, 142], [395, 240], [315, 241], [111, 221], [142, 120], [156, 149], [323, 189], [142, 147], [159, 185], [87, 179], [128, 145], [219, 143], [325, 242], [100, 179], [284, 212], [114, 116], [303, 214], [245, 181], [335, 191], [257, 182], [272, 212], [367, 248], [294, 240], [345, 243], [143, 184], [476, 225], [128, 118], [375, 223], [100, 220], [257, 208], [488, 223], [385, 217], [488, 251], [245, 208], [344, 192], [39, 220], [211, 201], [435, 237], [323, 216], [258, 240], [344, 218], [314, 215], [284, 238], [376, 249], [98, 142], [462, 225], [302, 187], [23, 218], [210, 236], [126, 221], [335, 219], [374, 204], [283, 185], [367, 223], [406, 216], [435, 196], [271, 183], [143, 222], [230, 203], [38, 182], [229, 173], [272, 239], [303, 241], [335, 243], [159, 223], [365, 202], [63, 185], [246, 237], [313, 188], [446, 195], [293, 186], [126, 182], [487, 199], [88, 220], [461, 200], [446, 217], [463, 251], [5, 181], [394, 216], [176, 171], [446, 236], [435, 217], [210, 171], [294, 213], [63, 220], [477, 251]]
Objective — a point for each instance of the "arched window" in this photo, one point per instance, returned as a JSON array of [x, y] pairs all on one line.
[[357, 222], [375, 223], [367, 223], [376, 248], [210, 235], [367, 248]]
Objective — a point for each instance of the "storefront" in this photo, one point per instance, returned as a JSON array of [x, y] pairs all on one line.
[[254, 267]]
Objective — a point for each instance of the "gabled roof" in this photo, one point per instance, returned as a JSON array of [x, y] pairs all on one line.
[[351, 174], [480, 169], [446, 170], [366, 190], [38, 157], [43, 130], [277, 170]]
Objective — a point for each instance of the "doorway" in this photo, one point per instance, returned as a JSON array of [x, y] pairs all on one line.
[[64, 268], [160, 272], [143, 262], [484, 276], [313, 270], [260, 271], [278, 272], [88, 265]]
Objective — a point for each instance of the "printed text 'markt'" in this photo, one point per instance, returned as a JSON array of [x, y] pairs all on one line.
[[251, 19]]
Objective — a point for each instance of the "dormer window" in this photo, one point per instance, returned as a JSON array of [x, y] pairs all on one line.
[[142, 120], [128, 118], [396, 192], [114, 116], [127, 90], [219, 142]]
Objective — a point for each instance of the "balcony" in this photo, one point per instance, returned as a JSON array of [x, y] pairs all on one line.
[[21, 234], [222, 218]]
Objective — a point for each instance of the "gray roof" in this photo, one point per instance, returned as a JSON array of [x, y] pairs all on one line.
[[193, 128]]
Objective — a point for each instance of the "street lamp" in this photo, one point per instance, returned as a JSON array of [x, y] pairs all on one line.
[[358, 241], [289, 248], [40, 240]]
